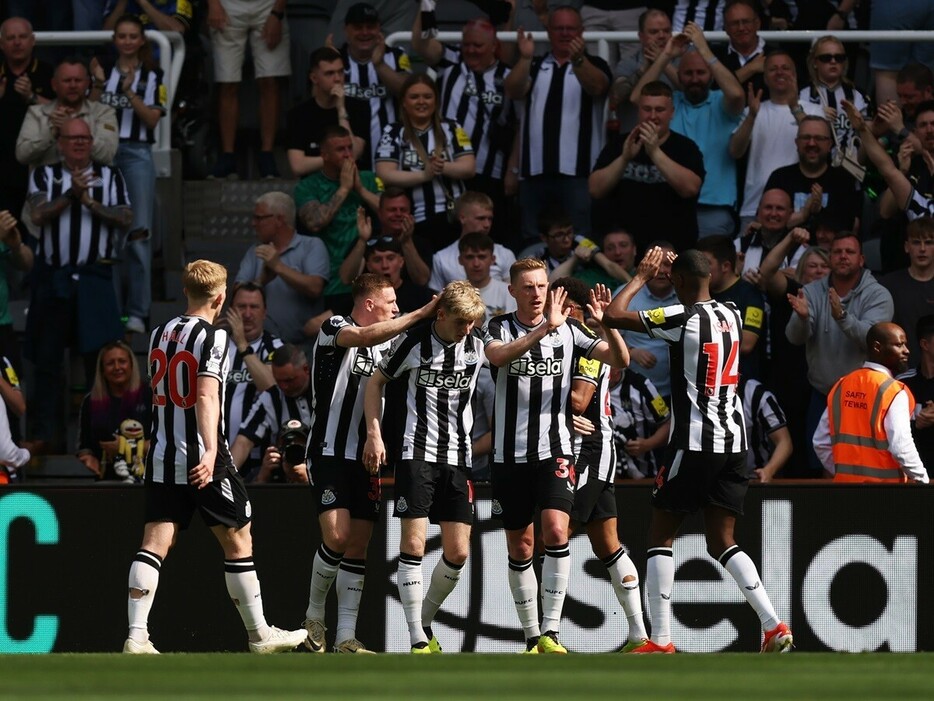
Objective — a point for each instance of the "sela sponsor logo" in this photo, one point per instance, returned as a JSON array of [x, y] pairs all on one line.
[[547, 367], [362, 365], [240, 377], [327, 497], [359, 92], [491, 97], [442, 380]]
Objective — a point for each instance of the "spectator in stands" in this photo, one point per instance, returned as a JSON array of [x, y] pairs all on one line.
[[707, 118], [132, 85], [763, 235], [471, 81], [13, 251], [385, 257], [831, 319], [766, 132], [767, 435], [165, 15], [373, 71], [726, 285], [914, 155], [118, 393], [289, 398], [869, 439], [654, 33], [292, 269], [610, 265], [887, 58], [650, 178], [396, 223], [708, 15], [38, 141], [328, 200], [562, 124], [745, 53], [920, 381], [788, 360], [474, 215], [430, 156], [477, 256], [78, 204], [24, 81], [814, 185], [827, 68], [640, 423], [232, 23], [395, 16], [327, 106], [556, 231], [251, 349], [649, 355], [914, 84], [912, 288]]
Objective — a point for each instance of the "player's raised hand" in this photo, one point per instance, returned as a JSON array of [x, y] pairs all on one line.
[[650, 264], [555, 311], [600, 298]]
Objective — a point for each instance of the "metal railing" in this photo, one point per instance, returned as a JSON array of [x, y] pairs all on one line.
[[603, 39], [171, 57]]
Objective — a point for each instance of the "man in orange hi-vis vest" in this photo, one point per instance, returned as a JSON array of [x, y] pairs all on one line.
[[864, 434]]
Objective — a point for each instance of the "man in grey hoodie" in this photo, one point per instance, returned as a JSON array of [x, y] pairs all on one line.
[[831, 319]]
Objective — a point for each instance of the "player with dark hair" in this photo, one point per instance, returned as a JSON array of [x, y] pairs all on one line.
[[189, 466], [595, 461], [705, 465]]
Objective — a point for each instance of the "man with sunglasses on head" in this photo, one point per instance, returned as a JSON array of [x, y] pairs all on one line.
[[814, 185], [292, 269]]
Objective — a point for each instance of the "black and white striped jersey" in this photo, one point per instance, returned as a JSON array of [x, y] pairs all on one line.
[[703, 341], [596, 450], [638, 410], [147, 83], [241, 391], [181, 351], [532, 413], [708, 14], [477, 101], [270, 410], [338, 379], [441, 379], [362, 84], [76, 237], [764, 416], [428, 198], [562, 126]]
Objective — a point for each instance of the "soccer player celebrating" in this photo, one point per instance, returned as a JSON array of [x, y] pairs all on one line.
[[347, 351], [705, 463], [441, 362], [189, 466], [531, 353], [595, 461]]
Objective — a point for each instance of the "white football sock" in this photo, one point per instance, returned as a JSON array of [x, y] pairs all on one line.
[[144, 575], [409, 579], [323, 570], [619, 566], [349, 592], [524, 587], [444, 578], [556, 571], [243, 587], [742, 569], [659, 581]]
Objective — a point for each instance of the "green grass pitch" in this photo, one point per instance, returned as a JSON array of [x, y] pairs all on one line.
[[303, 676]]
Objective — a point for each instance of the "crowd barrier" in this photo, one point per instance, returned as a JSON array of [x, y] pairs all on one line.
[[846, 567]]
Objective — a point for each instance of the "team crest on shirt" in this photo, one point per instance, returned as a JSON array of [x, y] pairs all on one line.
[[471, 357], [362, 365], [553, 339]]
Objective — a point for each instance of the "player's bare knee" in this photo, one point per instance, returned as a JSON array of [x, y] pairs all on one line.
[[457, 554], [336, 541], [554, 534]]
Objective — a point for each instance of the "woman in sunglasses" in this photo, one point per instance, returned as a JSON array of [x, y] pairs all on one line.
[[428, 155], [827, 66]]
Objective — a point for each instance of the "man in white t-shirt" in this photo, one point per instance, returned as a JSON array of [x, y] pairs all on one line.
[[475, 214], [477, 258], [768, 130]]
